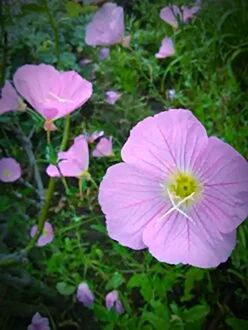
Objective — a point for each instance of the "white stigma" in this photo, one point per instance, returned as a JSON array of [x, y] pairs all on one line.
[[175, 207]]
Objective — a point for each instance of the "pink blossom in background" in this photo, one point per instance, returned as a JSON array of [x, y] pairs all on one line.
[[172, 14], [91, 138], [72, 163], [10, 170], [85, 295], [9, 99], [178, 192], [52, 93], [104, 148], [39, 323], [106, 27], [113, 302], [104, 53], [47, 235], [111, 97], [166, 49]]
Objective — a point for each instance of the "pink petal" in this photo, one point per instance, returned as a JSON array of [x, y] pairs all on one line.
[[130, 198], [224, 173], [52, 93], [107, 26], [112, 97], [68, 168], [166, 49], [176, 240], [169, 14], [169, 141], [9, 100], [103, 148]]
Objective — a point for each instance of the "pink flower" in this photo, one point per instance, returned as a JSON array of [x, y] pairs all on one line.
[[39, 323], [113, 302], [172, 14], [10, 170], [52, 93], [85, 295], [112, 97], [166, 49], [107, 26], [9, 99], [74, 162], [104, 53], [46, 236], [91, 138], [177, 192], [103, 148]]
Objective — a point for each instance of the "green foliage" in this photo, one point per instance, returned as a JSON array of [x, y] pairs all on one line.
[[209, 76]]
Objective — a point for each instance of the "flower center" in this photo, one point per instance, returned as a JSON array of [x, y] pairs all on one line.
[[183, 185], [6, 173]]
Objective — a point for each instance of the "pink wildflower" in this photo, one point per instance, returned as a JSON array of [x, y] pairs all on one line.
[[103, 148], [39, 323], [9, 99], [166, 49], [52, 93], [107, 26], [85, 295], [46, 236], [112, 97], [172, 14], [178, 192], [72, 163], [10, 170], [113, 302], [104, 53], [91, 138]]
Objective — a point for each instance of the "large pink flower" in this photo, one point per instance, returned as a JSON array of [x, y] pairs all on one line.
[[107, 26], [178, 192], [172, 14], [9, 99], [52, 93], [74, 162]]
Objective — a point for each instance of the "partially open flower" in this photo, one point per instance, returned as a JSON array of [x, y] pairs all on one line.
[[104, 148], [9, 99], [112, 97], [166, 49], [106, 27], [72, 163], [47, 235], [85, 295], [113, 302], [178, 192], [173, 14], [52, 93], [10, 170], [104, 53], [39, 323]]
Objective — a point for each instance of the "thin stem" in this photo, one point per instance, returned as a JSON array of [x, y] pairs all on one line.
[[65, 184], [80, 185], [55, 30], [48, 137], [65, 134], [4, 45]]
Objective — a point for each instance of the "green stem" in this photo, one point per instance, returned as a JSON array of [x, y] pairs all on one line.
[[4, 43], [43, 214], [65, 134], [55, 30]]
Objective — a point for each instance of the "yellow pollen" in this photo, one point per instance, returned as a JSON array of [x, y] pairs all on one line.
[[6, 173], [182, 185]]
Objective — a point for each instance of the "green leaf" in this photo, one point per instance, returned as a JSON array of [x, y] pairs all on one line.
[[75, 9], [237, 324], [142, 281], [32, 8], [195, 313], [65, 289], [116, 281], [192, 275]]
